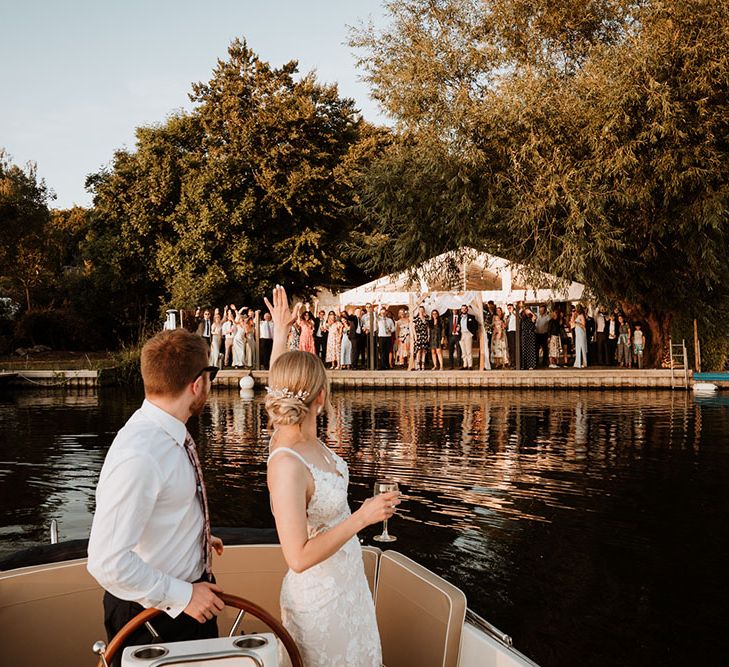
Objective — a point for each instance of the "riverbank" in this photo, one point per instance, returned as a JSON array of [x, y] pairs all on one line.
[[562, 378]]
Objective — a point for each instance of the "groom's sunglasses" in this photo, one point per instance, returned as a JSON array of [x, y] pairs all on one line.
[[213, 370]]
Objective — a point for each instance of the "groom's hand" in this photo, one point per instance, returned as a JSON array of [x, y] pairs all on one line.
[[204, 603]]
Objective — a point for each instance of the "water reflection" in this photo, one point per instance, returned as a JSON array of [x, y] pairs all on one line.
[[589, 525]]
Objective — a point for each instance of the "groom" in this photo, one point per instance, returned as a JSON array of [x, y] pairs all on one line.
[[150, 543]]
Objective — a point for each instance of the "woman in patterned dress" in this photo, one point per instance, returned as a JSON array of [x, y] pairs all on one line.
[[499, 347], [334, 340], [403, 338], [435, 337], [422, 338]]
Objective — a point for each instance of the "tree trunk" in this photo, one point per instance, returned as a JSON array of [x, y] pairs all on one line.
[[27, 296], [656, 328]]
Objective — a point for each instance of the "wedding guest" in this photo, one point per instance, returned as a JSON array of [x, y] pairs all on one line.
[[216, 334], [367, 320], [345, 354], [320, 335], [554, 341], [266, 340], [542, 333], [239, 343], [601, 338], [453, 332], [354, 332], [204, 328], [294, 335], [511, 333], [334, 340], [638, 344], [250, 342], [385, 330], [469, 328], [566, 337], [228, 331], [306, 340], [489, 311], [421, 324], [403, 337], [624, 343], [435, 338], [499, 347], [579, 327], [528, 340], [613, 327]]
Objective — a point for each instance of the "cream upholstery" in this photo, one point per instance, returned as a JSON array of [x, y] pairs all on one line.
[[419, 614]]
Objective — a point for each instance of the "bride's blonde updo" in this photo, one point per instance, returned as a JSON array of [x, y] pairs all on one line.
[[295, 380]]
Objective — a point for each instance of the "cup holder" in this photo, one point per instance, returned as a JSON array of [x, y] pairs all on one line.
[[150, 652], [250, 642]]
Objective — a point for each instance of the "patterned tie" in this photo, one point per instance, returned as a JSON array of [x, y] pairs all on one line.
[[203, 496]]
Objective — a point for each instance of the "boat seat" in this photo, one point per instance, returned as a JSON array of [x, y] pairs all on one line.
[[419, 614], [256, 572]]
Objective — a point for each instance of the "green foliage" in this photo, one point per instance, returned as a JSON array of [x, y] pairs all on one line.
[[587, 139], [250, 189], [23, 216]]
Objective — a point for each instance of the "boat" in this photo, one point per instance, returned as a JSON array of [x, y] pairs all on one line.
[[51, 612]]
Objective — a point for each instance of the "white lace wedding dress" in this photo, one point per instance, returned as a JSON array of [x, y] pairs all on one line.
[[328, 608]]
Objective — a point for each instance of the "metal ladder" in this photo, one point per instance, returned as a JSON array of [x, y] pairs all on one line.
[[678, 363]]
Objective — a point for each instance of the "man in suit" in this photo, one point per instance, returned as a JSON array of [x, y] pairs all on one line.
[[365, 324], [453, 333], [204, 327], [469, 328], [511, 334], [321, 335]]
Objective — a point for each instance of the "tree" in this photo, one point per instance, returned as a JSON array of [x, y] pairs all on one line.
[[23, 216], [251, 188], [586, 139]]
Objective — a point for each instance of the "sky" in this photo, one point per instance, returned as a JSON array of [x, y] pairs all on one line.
[[78, 76]]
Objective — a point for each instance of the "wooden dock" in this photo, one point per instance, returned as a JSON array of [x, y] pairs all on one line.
[[562, 378]]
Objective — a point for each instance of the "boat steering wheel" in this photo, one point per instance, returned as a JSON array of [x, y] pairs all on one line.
[[252, 608]]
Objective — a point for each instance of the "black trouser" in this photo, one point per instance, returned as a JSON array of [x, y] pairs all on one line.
[[266, 349], [454, 350], [511, 342], [320, 342], [612, 346], [365, 351], [543, 345], [385, 343], [601, 348], [117, 613]]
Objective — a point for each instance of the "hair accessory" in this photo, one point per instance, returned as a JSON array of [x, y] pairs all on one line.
[[286, 393]]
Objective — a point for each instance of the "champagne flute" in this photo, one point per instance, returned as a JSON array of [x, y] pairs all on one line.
[[385, 486]]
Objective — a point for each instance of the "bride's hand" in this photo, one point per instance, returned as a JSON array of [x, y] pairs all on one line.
[[282, 316], [378, 508]]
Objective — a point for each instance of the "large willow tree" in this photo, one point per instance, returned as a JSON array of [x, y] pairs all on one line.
[[585, 138], [251, 188]]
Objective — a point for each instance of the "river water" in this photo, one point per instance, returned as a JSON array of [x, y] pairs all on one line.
[[591, 526]]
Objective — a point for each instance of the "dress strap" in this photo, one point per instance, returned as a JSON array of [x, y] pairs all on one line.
[[290, 451]]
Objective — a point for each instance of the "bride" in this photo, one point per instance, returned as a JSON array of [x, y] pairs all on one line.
[[325, 600]]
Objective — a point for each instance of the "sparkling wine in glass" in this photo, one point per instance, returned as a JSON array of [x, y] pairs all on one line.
[[385, 486]]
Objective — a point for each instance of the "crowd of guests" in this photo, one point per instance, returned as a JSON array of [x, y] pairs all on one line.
[[566, 335]]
